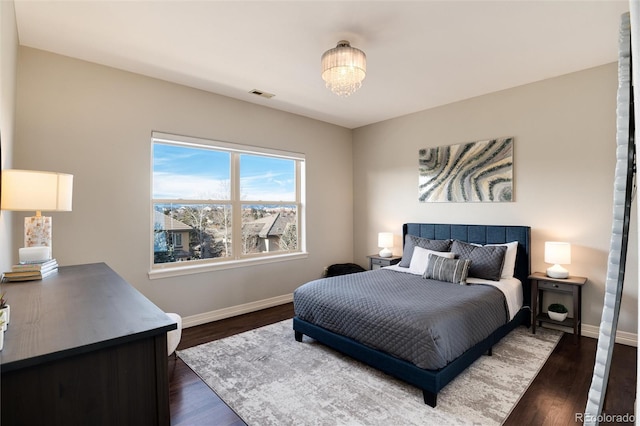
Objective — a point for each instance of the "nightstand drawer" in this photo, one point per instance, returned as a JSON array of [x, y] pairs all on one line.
[[377, 262], [381, 262], [549, 285]]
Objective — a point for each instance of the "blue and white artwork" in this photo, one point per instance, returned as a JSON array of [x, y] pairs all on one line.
[[470, 172]]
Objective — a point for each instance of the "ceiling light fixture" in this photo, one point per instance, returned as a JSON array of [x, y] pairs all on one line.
[[343, 68]]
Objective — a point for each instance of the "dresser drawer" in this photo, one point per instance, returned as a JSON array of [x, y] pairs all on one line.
[[550, 285]]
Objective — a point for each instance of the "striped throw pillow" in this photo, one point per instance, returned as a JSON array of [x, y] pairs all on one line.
[[450, 270]]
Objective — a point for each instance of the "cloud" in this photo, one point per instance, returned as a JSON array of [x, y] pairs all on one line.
[[189, 187]]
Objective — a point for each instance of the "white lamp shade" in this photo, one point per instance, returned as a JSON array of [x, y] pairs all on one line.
[[557, 253], [30, 190], [385, 239]]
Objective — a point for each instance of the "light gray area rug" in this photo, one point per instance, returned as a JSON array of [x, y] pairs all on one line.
[[270, 379]]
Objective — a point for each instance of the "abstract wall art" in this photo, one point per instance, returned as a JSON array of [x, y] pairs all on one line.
[[469, 172]]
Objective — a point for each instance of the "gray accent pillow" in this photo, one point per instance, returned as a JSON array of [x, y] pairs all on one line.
[[449, 270], [411, 241], [486, 261]]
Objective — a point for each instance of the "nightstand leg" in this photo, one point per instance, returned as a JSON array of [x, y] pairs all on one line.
[[577, 315], [534, 305]]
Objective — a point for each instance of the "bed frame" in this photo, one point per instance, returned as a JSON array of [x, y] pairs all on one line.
[[432, 381]]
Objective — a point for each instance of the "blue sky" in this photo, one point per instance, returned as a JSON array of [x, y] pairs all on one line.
[[195, 173]]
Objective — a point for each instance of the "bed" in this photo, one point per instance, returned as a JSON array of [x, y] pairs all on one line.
[[374, 316]]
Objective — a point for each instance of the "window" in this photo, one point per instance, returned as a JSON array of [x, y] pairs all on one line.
[[216, 203]]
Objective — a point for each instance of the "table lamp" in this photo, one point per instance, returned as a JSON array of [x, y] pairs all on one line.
[[385, 240], [29, 190], [558, 254]]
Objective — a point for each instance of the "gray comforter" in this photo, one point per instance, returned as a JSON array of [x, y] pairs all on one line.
[[428, 323]]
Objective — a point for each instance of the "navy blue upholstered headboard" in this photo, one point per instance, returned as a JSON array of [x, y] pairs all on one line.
[[483, 234]]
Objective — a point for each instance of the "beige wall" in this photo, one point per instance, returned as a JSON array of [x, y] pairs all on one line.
[[8, 58], [96, 122], [564, 162]]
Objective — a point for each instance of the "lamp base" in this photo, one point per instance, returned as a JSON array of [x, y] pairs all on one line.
[[385, 252], [37, 231], [36, 254], [557, 271]]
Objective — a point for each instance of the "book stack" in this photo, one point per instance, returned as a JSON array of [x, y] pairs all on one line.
[[31, 271]]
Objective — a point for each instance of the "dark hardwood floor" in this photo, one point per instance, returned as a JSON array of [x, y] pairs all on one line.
[[557, 396]]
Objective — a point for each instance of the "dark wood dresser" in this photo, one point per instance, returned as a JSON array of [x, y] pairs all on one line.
[[84, 347]]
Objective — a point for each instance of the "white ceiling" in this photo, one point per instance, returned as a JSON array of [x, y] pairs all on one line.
[[420, 54]]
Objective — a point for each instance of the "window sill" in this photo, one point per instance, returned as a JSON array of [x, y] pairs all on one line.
[[176, 271]]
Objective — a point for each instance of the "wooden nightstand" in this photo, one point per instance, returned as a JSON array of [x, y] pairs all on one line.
[[572, 285], [377, 262]]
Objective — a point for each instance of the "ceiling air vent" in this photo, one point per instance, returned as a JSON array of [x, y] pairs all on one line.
[[261, 93]]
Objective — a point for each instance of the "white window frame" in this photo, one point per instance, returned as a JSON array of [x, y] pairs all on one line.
[[163, 270]]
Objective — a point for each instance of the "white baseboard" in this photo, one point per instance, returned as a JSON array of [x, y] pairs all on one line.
[[622, 337], [233, 311]]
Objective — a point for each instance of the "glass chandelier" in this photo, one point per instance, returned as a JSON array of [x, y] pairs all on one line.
[[343, 68]]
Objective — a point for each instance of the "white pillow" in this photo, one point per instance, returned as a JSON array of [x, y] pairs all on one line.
[[420, 259], [509, 266]]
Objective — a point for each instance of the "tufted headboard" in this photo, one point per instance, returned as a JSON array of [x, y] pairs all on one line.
[[483, 234]]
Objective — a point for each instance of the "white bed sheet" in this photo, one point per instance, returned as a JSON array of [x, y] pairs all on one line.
[[510, 287]]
